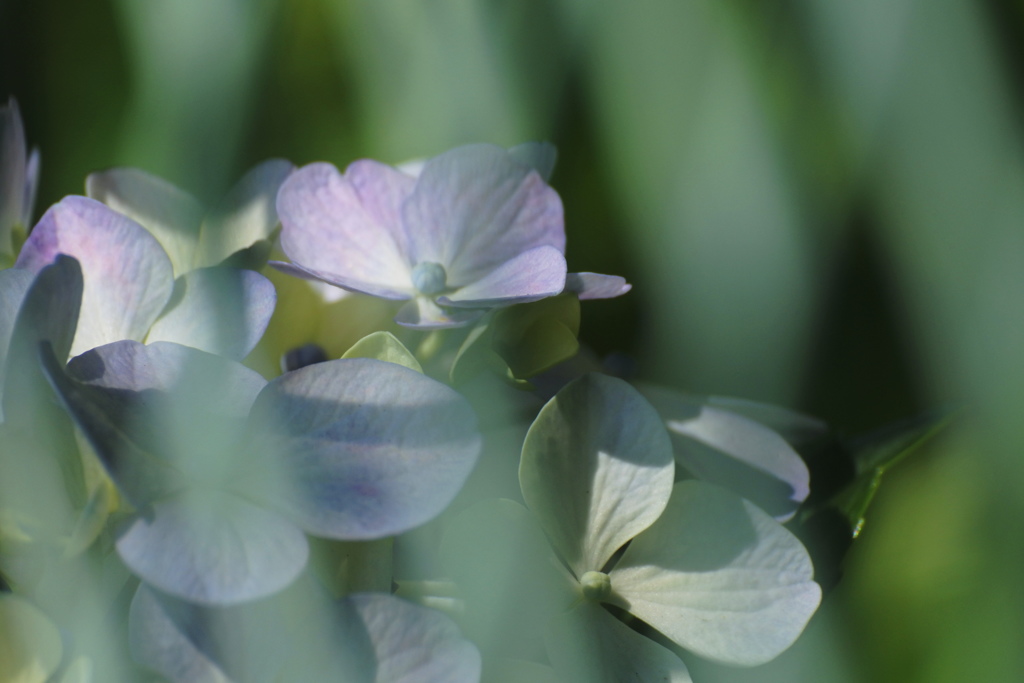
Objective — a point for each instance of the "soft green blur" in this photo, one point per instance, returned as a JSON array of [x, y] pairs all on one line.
[[820, 203]]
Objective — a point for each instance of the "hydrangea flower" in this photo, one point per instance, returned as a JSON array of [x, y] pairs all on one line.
[[130, 288], [227, 472], [474, 228], [19, 175], [710, 571]]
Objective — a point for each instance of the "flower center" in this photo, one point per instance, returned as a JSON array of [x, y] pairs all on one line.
[[597, 586], [429, 278]]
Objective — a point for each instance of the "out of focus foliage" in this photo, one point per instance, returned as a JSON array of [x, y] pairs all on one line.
[[820, 203]]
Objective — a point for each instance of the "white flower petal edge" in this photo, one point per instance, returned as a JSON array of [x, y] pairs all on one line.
[[589, 645], [597, 469], [719, 577]]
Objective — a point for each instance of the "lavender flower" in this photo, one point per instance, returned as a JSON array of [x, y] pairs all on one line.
[[472, 229]]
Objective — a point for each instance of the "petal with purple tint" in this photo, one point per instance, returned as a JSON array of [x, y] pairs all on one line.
[[213, 548], [342, 282], [220, 310], [128, 277], [475, 207], [159, 415], [532, 275], [248, 213], [347, 226], [596, 286], [370, 449], [170, 214]]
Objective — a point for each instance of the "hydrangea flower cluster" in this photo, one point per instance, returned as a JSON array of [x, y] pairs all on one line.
[[339, 521]]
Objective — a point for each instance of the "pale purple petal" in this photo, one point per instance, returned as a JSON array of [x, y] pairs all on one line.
[[342, 282], [170, 214], [719, 577], [347, 226], [475, 207], [131, 367], [221, 310], [415, 644], [128, 277], [370, 448], [596, 286], [248, 213], [422, 313], [214, 549], [532, 275]]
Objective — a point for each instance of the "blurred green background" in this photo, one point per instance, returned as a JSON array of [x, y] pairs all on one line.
[[820, 203]]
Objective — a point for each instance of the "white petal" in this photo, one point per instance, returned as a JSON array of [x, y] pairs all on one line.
[[728, 449], [719, 577], [589, 645], [415, 644], [596, 285], [221, 310], [171, 215], [596, 470], [248, 213]]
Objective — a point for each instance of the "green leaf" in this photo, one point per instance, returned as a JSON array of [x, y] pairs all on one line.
[[874, 453], [521, 341], [386, 347]]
